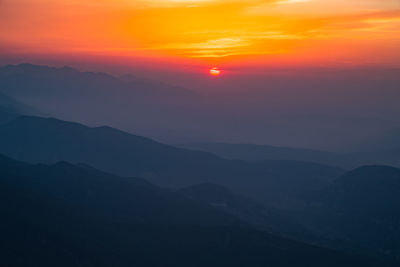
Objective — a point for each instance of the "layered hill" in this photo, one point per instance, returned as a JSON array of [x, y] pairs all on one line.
[[253, 152], [361, 208], [42, 140], [69, 215]]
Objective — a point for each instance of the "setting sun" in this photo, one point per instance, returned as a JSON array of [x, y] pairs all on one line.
[[215, 71]]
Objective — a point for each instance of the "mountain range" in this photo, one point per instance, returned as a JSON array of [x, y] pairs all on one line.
[[98, 98], [47, 140], [280, 112], [383, 149], [253, 152], [74, 215], [79, 195]]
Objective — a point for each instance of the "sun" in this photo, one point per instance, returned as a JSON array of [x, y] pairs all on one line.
[[215, 71]]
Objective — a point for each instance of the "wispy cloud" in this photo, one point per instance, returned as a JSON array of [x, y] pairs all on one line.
[[197, 28]]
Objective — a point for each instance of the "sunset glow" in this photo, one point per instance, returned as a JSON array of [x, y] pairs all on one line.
[[212, 31], [215, 71]]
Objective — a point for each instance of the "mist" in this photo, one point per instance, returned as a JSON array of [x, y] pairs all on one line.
[[326, 108]]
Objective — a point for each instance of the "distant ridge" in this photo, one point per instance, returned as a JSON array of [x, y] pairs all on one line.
[[11, 108], [255, 152], [41, 140]]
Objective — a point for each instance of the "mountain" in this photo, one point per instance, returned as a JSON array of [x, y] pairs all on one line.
[[11, 108], [233, 110], [385, 141], [248, 210], [27, 81], [108, 196], [99, 98], [70, 215], [361, 207], [390, 157], [41, 140], [8, 104], [382, 149], [252, 152]]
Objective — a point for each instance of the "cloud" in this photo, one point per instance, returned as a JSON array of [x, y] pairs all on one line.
[[197, 28], [323, 7]]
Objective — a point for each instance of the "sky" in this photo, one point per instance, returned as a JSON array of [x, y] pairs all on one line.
[[223, 33], [323, 69]]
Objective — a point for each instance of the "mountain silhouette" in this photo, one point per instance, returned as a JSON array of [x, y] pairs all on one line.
[[252, 152], [11, 108], [248, 210], [179, 115], [99, 98], [361, 207], [105, 195], [384, 150], [386, 141], [41, 140], [70, 215]]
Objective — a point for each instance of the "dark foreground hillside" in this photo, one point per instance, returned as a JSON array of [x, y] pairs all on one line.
[[68, 215], [361, 208], [258, 215]]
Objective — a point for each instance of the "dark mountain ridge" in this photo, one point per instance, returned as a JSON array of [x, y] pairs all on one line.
[[101, 99], [68, 215], [374, 153], [41, 140], [105, 194], [11, 108], [178, 115], [361, 207], [253, 152], [248, 210]]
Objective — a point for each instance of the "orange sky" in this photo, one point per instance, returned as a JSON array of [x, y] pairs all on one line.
[[359, 32]]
